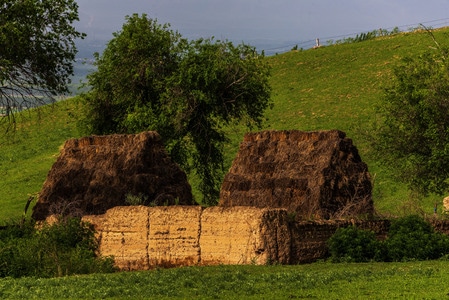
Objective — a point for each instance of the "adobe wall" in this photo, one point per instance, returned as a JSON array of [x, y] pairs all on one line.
[[123, 232], [174, 235], [441, 226], [141, 237], [309, 238], [244, 235]]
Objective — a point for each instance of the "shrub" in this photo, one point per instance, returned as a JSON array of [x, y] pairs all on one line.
[[66, 248], [409, 238], [412, 238], [351, 244]]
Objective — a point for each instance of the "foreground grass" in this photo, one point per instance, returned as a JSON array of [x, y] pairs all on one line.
[[412, 280]]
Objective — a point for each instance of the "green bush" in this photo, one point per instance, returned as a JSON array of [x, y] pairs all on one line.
[[409, 238], [412, 238], [66, 248], [351, 244]]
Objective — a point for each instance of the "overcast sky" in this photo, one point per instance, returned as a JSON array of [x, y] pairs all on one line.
[[274, 21]]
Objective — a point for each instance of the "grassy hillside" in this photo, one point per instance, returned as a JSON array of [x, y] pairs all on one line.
[[27, 154], [334, 87]]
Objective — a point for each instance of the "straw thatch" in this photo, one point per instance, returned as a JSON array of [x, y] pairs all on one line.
[[95, 173], [311, 174]]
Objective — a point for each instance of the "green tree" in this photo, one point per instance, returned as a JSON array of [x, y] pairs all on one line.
[[37, 49], [150, 78], [413, 133]]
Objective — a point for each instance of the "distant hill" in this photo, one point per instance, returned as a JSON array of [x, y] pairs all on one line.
[[332, 87]]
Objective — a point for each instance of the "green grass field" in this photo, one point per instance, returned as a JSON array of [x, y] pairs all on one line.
[[412, 280], [334, 87]]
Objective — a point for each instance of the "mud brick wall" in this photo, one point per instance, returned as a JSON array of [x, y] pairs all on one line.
[[441, 226], [124, 234], [141, 237], [309, 238], [244, 235], [174, 235]]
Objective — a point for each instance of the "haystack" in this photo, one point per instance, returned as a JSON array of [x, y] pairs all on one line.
[[311, 174], [93, 174]]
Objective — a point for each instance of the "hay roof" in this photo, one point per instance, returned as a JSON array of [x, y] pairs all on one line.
[[95, 173], [311, 174]]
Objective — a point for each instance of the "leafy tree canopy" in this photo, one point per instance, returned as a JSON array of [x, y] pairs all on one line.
[[150, 78], [37, 49], [413, 135]]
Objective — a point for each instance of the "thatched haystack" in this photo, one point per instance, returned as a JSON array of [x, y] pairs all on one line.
[[311, 174], [93, 174]]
